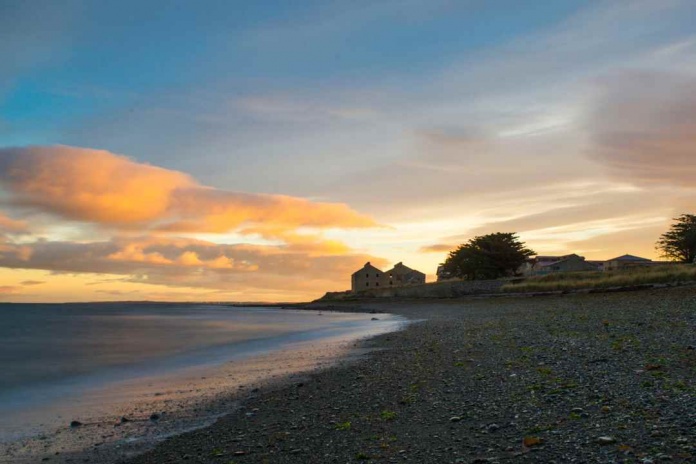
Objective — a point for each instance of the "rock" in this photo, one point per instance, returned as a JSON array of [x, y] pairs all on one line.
[[606, 440], [493, 427], [531, 441], [577, 410], [375, 319], [75, 423], [295, 451], [154, 417], [455, 419], [124, 419]]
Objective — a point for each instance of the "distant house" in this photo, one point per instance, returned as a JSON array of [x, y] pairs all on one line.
[[371, 277], [367, 277], [627, 261], [403, 275], [542, 265]]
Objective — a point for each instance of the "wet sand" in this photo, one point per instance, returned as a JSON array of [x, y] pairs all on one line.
[[578, 378]]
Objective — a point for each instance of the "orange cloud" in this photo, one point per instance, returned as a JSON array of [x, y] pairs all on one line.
[[96, 187], [8, 290], [437, 248], [11, 225], [100, 187]]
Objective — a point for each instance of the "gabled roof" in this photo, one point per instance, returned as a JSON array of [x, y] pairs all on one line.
[[402, 267], [367, 267], [559, 259], [629, 258]]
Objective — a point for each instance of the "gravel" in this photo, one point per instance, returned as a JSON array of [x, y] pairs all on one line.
[[600, 378]]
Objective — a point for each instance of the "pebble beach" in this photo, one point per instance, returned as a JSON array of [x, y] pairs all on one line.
[[576, 378]]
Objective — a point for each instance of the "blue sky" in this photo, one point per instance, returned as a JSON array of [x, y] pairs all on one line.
[[438, 119]]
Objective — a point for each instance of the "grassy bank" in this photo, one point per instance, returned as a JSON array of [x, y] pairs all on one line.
[[594, 280]]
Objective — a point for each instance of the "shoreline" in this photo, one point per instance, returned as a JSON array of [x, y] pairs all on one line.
[[128, 417], [591, 378]]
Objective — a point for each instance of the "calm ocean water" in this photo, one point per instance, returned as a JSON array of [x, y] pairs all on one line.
[[50, 351]]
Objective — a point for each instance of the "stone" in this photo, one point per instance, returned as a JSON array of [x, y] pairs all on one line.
[[606, 440], [75, 423], [154, 417], [455, 419]]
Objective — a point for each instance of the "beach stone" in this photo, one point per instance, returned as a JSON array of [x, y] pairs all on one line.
[[154, 417], [375, 319], [124, 419], [606, 440], [455, 419], [75, 423]]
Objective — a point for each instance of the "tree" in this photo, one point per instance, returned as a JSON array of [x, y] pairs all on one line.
[[679, 243], [487, 257]]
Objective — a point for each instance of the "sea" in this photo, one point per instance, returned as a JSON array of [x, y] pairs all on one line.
[[149, 367]]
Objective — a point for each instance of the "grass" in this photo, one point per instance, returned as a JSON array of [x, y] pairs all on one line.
[[343, 426], [590, 280]]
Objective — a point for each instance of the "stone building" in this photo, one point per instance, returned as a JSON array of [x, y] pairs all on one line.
[[403, 275], [367, 277], [371, 277]]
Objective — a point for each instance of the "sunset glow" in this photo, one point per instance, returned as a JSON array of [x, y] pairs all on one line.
[[267, 156]]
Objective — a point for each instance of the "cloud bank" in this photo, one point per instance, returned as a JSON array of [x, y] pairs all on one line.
[[153, 213]]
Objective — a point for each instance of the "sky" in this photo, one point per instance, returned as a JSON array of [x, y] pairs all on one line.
[[263, 151]]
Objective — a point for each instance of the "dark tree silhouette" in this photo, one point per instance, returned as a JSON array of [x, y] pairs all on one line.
[[487, 257], [679, 242]]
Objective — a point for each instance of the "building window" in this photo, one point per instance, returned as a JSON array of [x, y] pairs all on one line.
[[367, 284], [377, 284], [367, 275], [376, 275]]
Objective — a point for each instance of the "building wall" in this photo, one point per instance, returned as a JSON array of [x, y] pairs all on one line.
[[367, 278], [401, 275], [571, 264], [449, 289], [620, 264]]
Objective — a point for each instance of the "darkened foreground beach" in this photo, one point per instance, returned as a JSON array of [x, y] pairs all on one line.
[[578, 378]]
